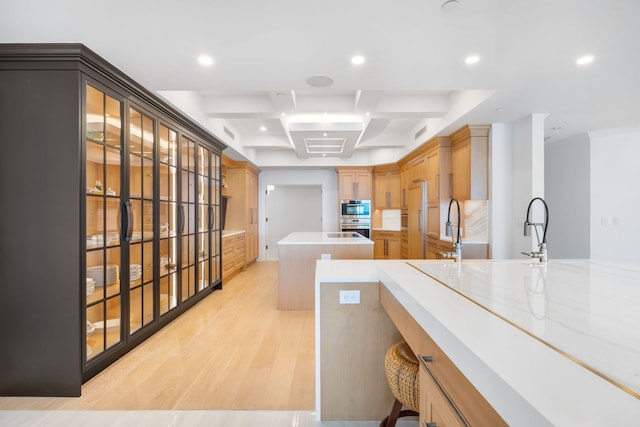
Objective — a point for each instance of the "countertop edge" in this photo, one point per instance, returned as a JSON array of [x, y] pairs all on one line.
[[497, 358]]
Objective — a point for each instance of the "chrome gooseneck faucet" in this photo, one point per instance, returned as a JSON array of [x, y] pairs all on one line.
[[542, 244], [457, 244]]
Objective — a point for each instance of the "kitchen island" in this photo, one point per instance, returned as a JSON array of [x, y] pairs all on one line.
[[540, 344], [297, 256]]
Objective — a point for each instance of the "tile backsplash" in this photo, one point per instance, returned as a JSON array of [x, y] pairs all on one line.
[[391, 219]]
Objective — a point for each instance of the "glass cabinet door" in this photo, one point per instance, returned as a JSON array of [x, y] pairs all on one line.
[[103, 150], [168, 218], [188, 218], [141, 178], [216, 226], [205, 218]]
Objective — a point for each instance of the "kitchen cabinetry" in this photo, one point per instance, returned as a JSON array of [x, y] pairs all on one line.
[[127, 234], [417, 169], [354, 183], [447, 397], [386, 184], [404, 171], [233, 254], [469, 162], [242, 207], [387, 244]]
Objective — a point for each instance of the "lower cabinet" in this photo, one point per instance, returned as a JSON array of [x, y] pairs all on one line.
[[447, 397], [233, 250], [387, 244], [436, 409]]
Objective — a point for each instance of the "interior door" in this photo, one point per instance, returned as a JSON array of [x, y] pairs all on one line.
[[291, 208]]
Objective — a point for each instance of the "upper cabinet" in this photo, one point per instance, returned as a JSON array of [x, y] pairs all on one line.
[[354, 183], [130, 237], [386, 184], [469, 162]]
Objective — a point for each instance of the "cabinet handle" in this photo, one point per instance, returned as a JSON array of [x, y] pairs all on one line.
[[432, 425], [355, 190], [404, 197], [386, 247], [437, 186], [126, 221], [451, 185], [419, 219], [181, 219], [388, 201], [424, 362]]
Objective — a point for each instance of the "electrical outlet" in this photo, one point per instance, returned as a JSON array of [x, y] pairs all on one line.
[[350, 297]]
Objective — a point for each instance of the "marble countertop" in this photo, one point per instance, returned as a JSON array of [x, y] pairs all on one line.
[[324, 238], [554, 345]]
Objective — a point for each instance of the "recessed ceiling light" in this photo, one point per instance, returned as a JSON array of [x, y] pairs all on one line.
[[263, 128], [584, 60], [324, 134], [368, 114], [472, 59], [205, 60], [357, 60], [284, 114]]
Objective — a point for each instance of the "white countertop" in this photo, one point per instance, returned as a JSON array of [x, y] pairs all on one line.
[[554, 347], [324, 238]]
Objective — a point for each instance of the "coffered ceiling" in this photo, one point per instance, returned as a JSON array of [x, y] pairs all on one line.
[[282, 91]]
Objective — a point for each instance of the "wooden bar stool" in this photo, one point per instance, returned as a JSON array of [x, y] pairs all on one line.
[[402, 370]]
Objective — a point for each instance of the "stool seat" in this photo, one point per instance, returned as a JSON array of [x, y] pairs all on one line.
[[402, 371]]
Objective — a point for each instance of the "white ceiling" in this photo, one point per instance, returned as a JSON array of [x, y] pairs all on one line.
[[414, 76]]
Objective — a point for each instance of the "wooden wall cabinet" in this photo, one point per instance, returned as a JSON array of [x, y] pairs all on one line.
[[354, 183], [387, 244], [404, 183], [114, 229], [469, 162], [417, 169], [242, 207], [386, 184]]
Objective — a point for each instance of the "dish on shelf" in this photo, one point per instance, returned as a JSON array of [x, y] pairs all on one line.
[[98, 273], [112, 325]]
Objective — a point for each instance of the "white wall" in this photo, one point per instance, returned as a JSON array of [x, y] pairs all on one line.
[[567, 192], [500, 190], [327, 178], [615, 194], [527, 174]]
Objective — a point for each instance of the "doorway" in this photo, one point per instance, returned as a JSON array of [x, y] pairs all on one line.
[[291, 208]]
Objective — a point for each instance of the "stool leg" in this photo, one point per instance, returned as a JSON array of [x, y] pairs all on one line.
[[391, 420]]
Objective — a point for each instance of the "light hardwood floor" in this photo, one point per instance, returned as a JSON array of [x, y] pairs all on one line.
[[234, 350]]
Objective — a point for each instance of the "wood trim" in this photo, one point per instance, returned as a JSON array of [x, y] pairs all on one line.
[[388, 167], [354, 168], [469, 131], [468, 399]]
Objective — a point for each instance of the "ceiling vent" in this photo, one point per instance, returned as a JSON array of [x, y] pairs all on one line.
[[324, 145], [229, 133], [420, 132]]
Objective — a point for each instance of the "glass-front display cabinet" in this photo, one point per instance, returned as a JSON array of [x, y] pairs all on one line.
[[111, 223], [124, 155]]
